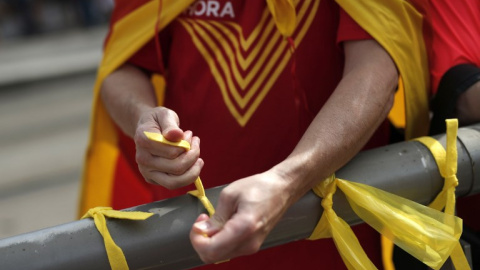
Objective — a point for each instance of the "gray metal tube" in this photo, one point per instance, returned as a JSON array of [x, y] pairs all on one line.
[[161, 242]]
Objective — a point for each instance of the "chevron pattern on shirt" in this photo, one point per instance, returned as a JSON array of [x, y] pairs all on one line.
[[245, 68]]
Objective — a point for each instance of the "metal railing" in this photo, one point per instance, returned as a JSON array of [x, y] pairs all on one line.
[[162, 241]]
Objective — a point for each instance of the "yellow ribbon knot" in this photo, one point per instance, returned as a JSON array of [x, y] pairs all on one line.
[[427, 234], [447, 165], [114, 253], [326, 189], [331, 225], [451, 182]]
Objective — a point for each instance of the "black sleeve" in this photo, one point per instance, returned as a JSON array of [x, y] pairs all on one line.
[[452, 84]]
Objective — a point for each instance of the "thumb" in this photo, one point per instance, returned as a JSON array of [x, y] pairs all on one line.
[[169, 126], [211, 225], [207, 226]]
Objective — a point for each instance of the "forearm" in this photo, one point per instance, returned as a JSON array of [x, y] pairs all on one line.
[[343, 126], [126, 94]]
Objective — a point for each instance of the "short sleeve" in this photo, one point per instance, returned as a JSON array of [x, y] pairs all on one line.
[[146, 58], [348, 29]]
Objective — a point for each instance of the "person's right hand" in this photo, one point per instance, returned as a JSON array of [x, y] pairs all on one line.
[[162, 164]]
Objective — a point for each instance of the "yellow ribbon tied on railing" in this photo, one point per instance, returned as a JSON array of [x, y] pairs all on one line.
[[447, 165], [114, 253], [427, 234], [331, 225], [200, 191]]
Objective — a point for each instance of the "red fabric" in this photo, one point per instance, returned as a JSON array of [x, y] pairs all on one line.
[[451, 33], [452, 37], [128, 189], [231, 151], [349, 29]]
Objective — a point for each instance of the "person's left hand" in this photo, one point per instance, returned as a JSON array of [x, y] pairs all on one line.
[[247, 210]]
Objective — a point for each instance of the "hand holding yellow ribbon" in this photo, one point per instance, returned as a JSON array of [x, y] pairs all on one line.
[[114, 253], [200, 192]]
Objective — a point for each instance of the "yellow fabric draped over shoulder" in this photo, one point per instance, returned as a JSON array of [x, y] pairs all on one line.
[[397, 27], [128, 35]]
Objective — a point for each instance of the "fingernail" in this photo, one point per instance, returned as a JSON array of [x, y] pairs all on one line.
[[202, 226]]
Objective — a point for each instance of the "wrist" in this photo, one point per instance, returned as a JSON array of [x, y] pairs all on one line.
[[139, 114], [295, 175]]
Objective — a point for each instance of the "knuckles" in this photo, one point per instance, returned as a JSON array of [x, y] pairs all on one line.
[[173, 152], [162, 113], [226, 196], [140, 139], [178, 168], [141, 158], [250, 225]]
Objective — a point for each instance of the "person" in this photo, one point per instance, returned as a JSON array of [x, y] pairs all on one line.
[[452, 35], [274, 117]]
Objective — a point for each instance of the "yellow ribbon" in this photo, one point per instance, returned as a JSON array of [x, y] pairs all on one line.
[[284, 15], [200, 192], [331, 225], [425, 233], [114, 253], [447, 165]]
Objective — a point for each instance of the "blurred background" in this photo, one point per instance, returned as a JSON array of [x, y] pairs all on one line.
[[49, 52]]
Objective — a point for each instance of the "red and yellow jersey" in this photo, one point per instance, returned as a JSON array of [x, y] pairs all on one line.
[[229, 78]]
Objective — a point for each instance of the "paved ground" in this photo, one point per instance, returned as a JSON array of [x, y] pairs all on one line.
[[45, 99], [50, 56]]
